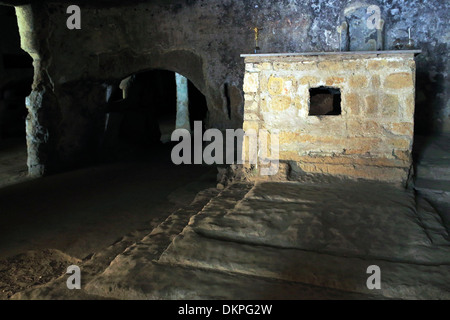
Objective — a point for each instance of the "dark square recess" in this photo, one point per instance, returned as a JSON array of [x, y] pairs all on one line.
[[324, 101]]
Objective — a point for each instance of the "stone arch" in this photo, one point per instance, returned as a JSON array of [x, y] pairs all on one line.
[[184, 62], [70, 131]]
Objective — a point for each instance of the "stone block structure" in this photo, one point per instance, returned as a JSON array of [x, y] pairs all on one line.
[[345, 113]]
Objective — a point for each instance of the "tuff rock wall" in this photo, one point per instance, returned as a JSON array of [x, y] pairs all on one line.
[[202, 40]]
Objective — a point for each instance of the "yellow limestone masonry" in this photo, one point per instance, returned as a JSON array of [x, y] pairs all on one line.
[[371, 138]]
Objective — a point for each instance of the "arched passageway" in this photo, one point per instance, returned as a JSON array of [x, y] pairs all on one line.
[[145, 108], [16, 77]]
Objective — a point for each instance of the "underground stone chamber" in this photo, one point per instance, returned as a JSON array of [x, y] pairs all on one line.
[[103, 100]]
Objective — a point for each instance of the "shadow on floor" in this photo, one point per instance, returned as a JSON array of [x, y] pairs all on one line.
[[83, 211]]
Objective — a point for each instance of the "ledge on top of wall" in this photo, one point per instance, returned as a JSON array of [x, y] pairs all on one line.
[[293, 54]]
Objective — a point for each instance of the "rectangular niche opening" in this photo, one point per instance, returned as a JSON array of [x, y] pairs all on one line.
[[324, 101]]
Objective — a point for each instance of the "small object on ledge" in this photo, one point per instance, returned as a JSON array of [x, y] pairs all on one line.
[[404, 43], [410, 44], [398, 44], [256, 30]]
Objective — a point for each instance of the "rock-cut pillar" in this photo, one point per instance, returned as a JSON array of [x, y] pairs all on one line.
[[182, 121]]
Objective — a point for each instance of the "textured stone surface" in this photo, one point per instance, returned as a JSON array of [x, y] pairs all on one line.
[[375, 122], [202, 40], [399, 280], [349, 218], [137, 275], [433, 174], [398, 81], [305, 233], [229, 251]]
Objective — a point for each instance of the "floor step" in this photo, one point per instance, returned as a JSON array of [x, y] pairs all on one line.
[[432, 185], [399, 280], [434, 160], [322, 235], [154, 241]]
